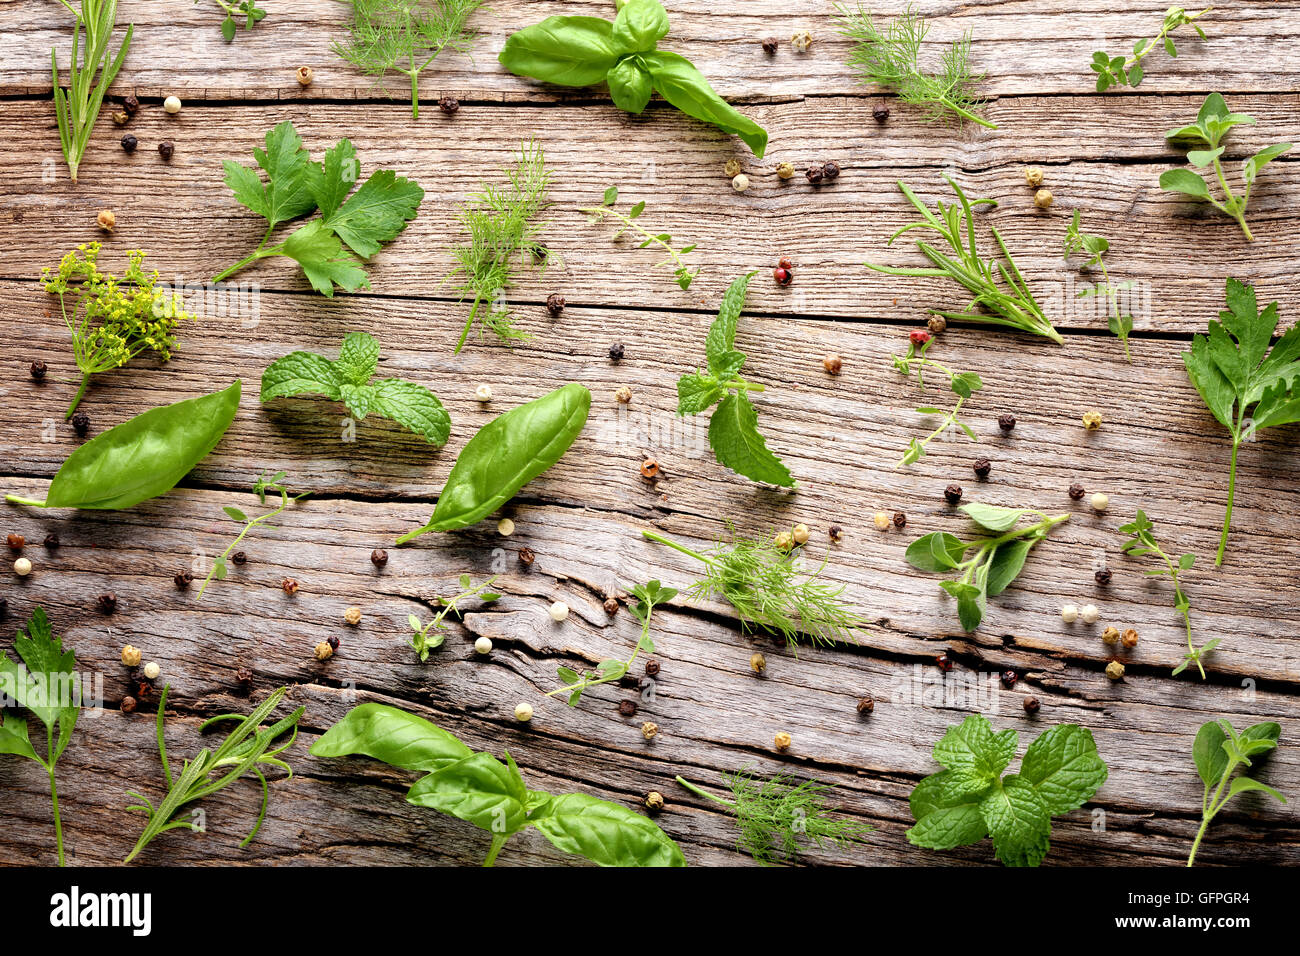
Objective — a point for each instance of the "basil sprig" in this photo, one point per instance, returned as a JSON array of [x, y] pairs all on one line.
[[584, 51], [480, 789]]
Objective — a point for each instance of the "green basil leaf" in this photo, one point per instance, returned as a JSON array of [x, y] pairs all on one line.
[[393, 736], [630, 87], [479, 789], [506, 454], [566, 51], [144, 456], [639, 26], [605, 833], [685, 87]]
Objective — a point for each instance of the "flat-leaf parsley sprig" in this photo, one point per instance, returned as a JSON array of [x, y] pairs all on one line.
[[427, 637], [770, 589], [675, 258], [503, 235], [1127, 71], [1142, 541], [1095, 248], [220, 567], [963, 384], [775, 816], [1001, 296], [890, 57]]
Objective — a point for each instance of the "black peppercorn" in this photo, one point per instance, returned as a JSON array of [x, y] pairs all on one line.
[[814, 174], [449, 105], [527, 557], [129, 142], [900, 520], [1102, 577], [1031, 705], [183, 579], [616, 352], [830, 171], [131, 104], [769, 45], [166, 148], [52, 540], [1077, 491], [128, 705], [835, 532], [1006, 422], [244, 675], [107, 602], [555, 303], [952, 493], [982, 467], [866, 705], [38, 370], [880, 114], [651, 668], [1009, 678], [379, 557], [81, 423], [239, 557], [627, 708], [333, 642]]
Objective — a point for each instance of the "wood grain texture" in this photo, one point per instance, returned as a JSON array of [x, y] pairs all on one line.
[[370, 482]]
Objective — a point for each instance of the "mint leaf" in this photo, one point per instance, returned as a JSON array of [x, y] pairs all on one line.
[[945, 819], [695, 393], [1018, 821], [358, 358], [734, 437], [300, 373], [721, 339], [1064, 766], [413, 407], [974, 752]]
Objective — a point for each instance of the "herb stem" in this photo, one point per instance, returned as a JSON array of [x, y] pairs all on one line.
[[16, 500], [947, 423], [1209, 814], [498, 841], [966, 113], [1232, 490], [54, 791], [629, 223], [653, 536], [701, 793]]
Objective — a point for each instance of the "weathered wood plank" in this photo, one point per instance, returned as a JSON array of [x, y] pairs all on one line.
[[1173, 250], [1022, 47]]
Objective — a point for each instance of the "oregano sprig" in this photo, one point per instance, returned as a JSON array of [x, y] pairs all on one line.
[[1217, 752], [675, 258], [733, 425], [1127, 70], [220, 567], [426, 637], [1095, 248], [963, 384], [247, 10]]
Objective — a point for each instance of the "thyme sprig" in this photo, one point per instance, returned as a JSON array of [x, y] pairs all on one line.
[[890, 58], [77, 108], [220, 568], [1095, 247], [675, 258], [248, 10], [1142, 541], [770, 589], [775, 816], [426, 637], [502, 234], [405, 36], [963, 384], [1001, 295], [247, 749], [1127, 70]]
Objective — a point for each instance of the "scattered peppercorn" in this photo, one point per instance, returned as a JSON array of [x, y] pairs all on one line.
[[38, 370], [801, 41], [784, 541], [166, 148], [244, 675], [22, 567], [782, 275], [881, 521], [785, 170], [151, 671], [379, 557], [944, 662], [304, 75], [107, 602], [1034, 176], [16, 541], [782, 741], [527, 556], [982, 467], [1070, 613], [900, 520], [627, 708], [830, 171], [131, 656], [555, 303], [1043, 198], [610, 605], [1129, 638], [290, 586], [833, 364], [121, 117], [131, 104], [449, 105], [800, 533], [952, 494], [814, 174], [732, 168], [769, 45], [651, 667], [483, 645], [1009, 678], [1110, 635], [1089, 614], [352, 615], [333, 642], [1006, 422], [129, 143], [323, 651], [1099, 501], [1102, 576], [51, 541], [483, 393], [1031, 705], [1092, 421], [1076, 491], [505, 527], [740, 183], [649, 729], [936, 324], [654, 801], [106, 219], [128, 705], [81, 423], [866, 705], [523, 712], [757, 663], [835, 532], [172, 104], [239, 557], [558, 611], [880, 113], [649, 468], [183, 579], [1114, 670], [616, 352]]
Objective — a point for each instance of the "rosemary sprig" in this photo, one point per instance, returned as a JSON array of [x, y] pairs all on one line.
[[1142, 541], [648, 596], [77, 109], [675, 257], [1095, 247], [770, 590], [773, 816], [220, 568], [246, 749], [405, 36], [426, 637], [963, 384], [502, 233], [890, 59], [1001, 295]]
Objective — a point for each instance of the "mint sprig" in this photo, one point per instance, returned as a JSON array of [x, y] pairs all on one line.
[[970, 799], [733, 427]]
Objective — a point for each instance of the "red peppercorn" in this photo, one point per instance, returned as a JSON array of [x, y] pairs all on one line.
[[785, 263], [918, 336], [128, 705], [944, 662], [333, 642], [1009, 678], [782, 276], [17, 541]]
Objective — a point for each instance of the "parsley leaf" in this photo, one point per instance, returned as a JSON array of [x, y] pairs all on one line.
[[46, 685], [1246, 386], [374, 214], [733, 427], [971, 799], [348, 380]]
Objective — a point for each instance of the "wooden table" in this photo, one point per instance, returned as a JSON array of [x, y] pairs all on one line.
[[1158, 450]]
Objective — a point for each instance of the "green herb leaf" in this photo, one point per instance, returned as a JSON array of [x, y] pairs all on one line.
[[682, 85], [566, 51], [605, 833], [639, 26], [993, 517], [734, 437]]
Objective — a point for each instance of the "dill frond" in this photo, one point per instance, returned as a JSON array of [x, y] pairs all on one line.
[[775, 816], [502, 236], [405, 36], [771, 590], [890, 58]]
